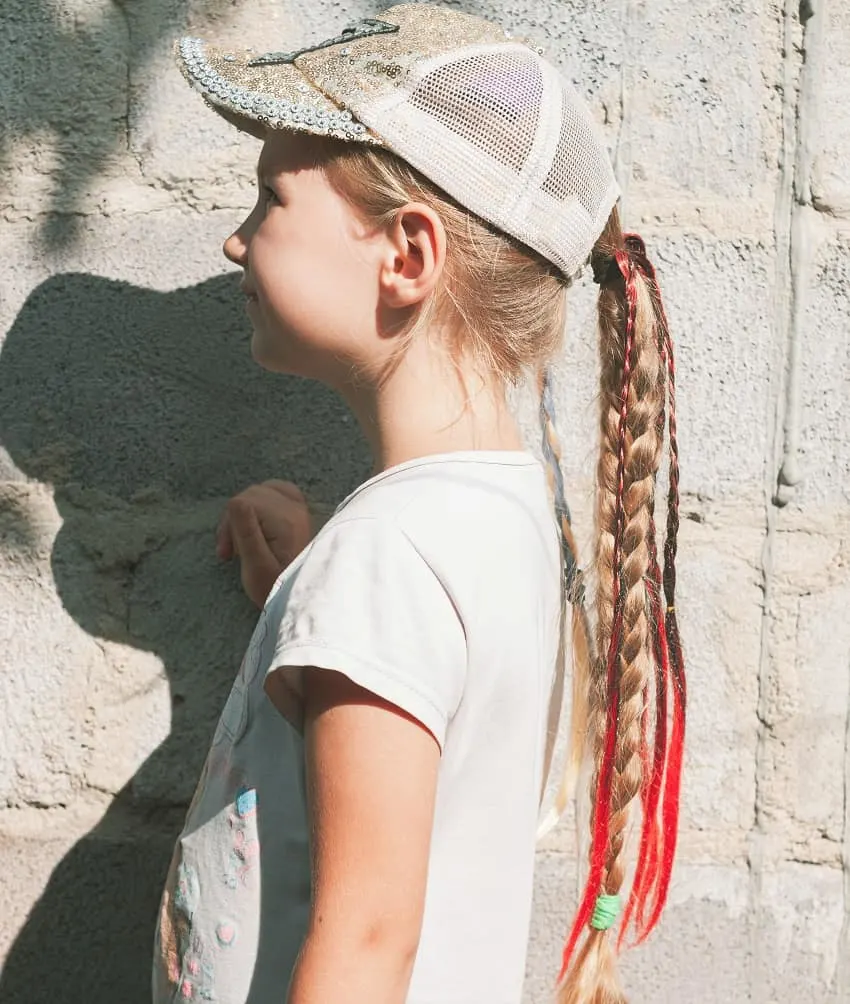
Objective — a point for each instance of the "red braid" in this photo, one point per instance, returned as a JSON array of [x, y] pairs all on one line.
[[668, 629], [662, 734], [657, 849], [673, 780], [602, 805]]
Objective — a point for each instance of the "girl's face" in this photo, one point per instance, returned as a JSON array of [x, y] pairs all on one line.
[[310, 268]]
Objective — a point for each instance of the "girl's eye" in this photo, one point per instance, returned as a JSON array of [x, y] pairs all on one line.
[[269, 196]]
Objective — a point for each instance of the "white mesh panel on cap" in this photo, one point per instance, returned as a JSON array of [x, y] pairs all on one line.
[[498, 129], [570, 190], [581, 168], [491, 100]]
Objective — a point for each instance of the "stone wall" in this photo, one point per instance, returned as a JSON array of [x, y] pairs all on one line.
[[130, 410]]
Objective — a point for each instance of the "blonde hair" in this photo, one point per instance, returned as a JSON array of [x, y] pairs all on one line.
[[506, 303], [489, 280]]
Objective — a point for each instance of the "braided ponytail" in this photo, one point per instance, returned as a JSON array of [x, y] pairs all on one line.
[[632, 662], [637, 661]]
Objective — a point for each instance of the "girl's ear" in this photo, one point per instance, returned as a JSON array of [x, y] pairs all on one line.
[[415, 256]]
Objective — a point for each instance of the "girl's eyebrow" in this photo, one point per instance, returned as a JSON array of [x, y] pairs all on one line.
[[266, 178]]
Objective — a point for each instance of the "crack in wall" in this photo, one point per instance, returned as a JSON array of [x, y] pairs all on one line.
[[128, 83], [841, 980], [757, 838], [127, 117], [622, 156], [783, 210], [797, 224], [801, 240]]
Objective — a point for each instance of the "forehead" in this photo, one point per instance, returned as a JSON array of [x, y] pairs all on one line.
[[286, 152]]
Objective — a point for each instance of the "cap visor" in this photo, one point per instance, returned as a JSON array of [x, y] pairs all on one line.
[[258, 98]]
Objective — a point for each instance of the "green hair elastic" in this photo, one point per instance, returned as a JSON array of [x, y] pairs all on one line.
[[605, 912]]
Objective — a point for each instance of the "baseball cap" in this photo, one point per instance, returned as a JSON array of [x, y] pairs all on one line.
[[480, 114]]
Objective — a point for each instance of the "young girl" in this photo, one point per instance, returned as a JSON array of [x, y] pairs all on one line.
[[364, 828]]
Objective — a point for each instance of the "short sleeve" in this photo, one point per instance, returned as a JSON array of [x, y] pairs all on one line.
[[366, 603]]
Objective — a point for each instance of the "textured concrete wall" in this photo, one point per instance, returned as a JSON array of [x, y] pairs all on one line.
[[129, 410]]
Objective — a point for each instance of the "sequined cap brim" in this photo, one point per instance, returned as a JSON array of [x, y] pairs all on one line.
[[273, 97], [482, 115]]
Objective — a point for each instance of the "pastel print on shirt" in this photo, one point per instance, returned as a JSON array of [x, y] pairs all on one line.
[[244, 845], [182, 953], [186, 958]]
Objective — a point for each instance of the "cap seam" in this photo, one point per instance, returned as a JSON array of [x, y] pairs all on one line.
[[542, 149]]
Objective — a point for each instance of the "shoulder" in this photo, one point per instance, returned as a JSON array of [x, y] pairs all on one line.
[[365, 603], [482, 529], [456, 499], [482, 533]]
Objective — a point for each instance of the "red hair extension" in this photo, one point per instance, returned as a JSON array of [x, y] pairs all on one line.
[[602, 807], [661, 759], [673, 779], [670, 648]]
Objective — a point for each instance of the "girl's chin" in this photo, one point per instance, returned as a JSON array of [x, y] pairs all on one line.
[[268, 357], [259, 350]]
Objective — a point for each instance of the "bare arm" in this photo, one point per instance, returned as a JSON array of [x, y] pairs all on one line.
[[371, 776]]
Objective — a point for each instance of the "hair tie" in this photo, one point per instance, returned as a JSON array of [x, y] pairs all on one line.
[[634, 245], [604, 268], [605, 912], [636, 250]]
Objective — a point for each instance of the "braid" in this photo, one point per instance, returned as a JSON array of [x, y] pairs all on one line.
[[653, 766], [551, 445], [574, 590], [670, 808], [637, 644], [670, 662]]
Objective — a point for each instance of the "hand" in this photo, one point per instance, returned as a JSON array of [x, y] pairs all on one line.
[[265, 526]]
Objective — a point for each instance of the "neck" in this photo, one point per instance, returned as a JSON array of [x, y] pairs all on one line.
[[431, 405]]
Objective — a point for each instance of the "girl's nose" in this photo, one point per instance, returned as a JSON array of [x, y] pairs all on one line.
[[235, 248]]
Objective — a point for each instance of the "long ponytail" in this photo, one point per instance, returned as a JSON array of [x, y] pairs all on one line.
[[507, 304], [635, 697]]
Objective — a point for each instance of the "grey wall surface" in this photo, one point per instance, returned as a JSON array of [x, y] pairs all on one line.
[[130, 410]]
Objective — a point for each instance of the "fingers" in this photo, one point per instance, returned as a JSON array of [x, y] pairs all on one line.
[[246, 533], [224, 544], [259, 566], [265, 526], [287, 489]]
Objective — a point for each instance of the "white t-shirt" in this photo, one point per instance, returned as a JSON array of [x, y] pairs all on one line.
[[436, 585]]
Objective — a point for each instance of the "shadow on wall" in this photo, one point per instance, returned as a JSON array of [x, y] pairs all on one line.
[[76, 72], [145, 411], [67, 69]]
